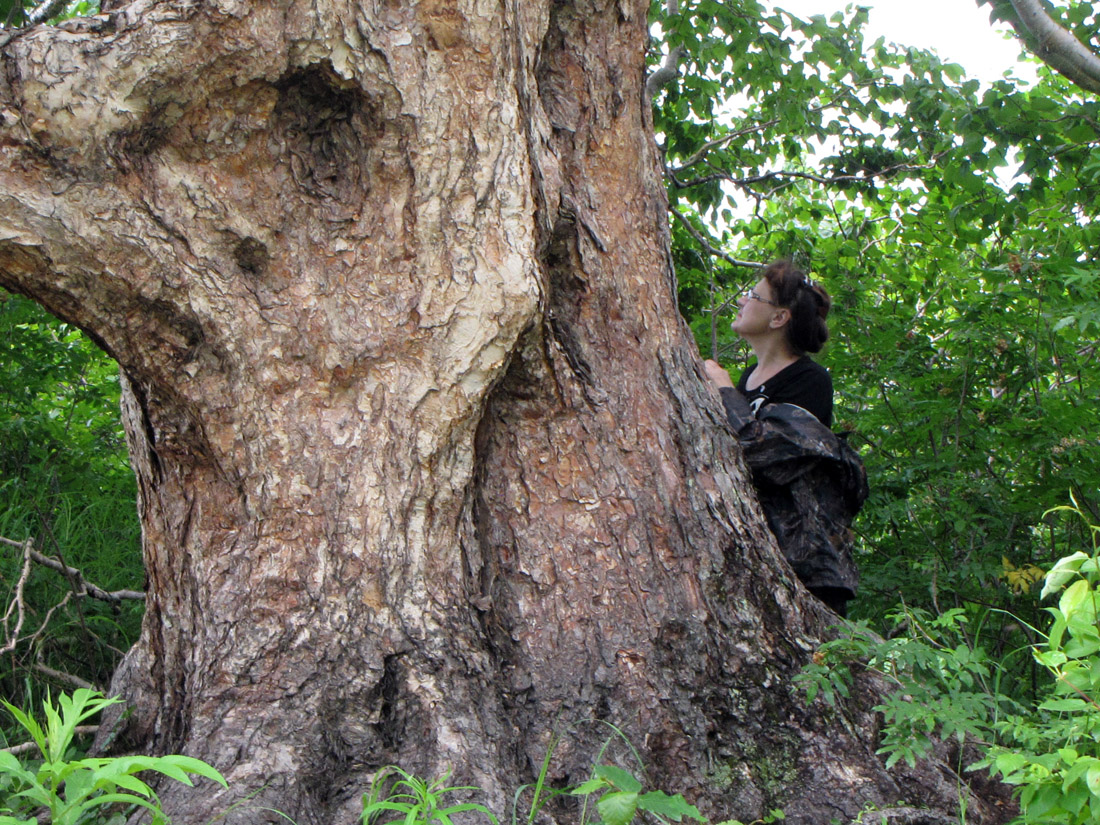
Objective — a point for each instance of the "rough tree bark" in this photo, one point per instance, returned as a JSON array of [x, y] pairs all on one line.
[[427, 466]]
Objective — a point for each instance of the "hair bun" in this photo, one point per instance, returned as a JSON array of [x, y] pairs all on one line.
[[807, 330]]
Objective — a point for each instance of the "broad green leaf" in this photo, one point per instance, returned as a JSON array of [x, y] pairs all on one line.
[[11, 765], [1063, 571], [126, 781], [197, 766], [79, 784], [617, 807], [673, 807], [1092, 779], [618, 778], [1074, 598], [591, 786], [31, 726]]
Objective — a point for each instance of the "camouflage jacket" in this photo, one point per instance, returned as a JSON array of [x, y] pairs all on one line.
[[811, 484]]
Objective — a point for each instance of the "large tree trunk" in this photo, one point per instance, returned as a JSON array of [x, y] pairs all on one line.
[[427, 467]]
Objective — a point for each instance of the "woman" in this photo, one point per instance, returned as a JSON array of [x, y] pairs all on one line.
[[811, 483]]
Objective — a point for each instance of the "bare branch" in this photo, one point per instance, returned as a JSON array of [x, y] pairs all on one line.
[[671, 66], [17, 605], [1056, 46], [45, 623], [748, 130], [61, 676], [81, 586], [714, 144], [40, 14], [718, 253], [45, 10], [785, 177]]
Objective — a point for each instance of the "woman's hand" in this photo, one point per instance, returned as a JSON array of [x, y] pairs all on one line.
[[718, 376]]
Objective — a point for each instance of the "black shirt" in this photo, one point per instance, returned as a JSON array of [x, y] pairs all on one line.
[[805, 383]]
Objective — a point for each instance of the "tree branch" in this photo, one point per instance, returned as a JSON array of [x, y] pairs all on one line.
[[1056, 46], [81, 586], [61, 676], [706, 147], [17, 606], [45, 10], [718, 253], [784, 175], [671, 66]]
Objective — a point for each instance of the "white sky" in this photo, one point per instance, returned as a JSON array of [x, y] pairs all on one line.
[[958, 30]]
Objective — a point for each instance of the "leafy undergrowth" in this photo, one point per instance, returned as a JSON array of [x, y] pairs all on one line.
[[1048, 748], [80, 791]]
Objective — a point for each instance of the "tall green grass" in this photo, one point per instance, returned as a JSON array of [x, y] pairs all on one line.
[[65, 484]]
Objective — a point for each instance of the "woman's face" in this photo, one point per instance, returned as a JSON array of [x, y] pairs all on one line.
[[757, 311]]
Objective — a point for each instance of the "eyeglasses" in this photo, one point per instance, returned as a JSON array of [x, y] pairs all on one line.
[[754, 297]]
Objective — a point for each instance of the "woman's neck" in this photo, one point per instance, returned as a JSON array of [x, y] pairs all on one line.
[[773, 355]]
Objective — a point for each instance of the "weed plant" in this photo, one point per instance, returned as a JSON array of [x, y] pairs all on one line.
[[79, 791], [1049, 748], [410, 800], [397, 797]]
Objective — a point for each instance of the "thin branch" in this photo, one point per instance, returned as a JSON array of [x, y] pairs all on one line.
[[61, 676], [39, 14], [45, 10], [876, 241], [714, 144], [670, 69], [718, 253], [784, 175], [45, 623], [722, 307], [748, 130], [18, 606], [81, 586]]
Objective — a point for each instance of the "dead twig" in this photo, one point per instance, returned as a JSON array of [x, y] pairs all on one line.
[[81, 586], [62, 676], [18, 606]]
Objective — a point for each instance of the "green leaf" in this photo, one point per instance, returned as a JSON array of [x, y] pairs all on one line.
[[618, 778], [1072, 704], [32, 727], [672, 807], [591, 786], [1063, 571], [191, 765], [11, 766], [1074, 598], [617, 807], [1092, 779]]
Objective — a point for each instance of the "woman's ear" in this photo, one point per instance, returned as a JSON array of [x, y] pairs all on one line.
[[780, 318]]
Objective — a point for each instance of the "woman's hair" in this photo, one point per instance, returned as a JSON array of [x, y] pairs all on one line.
[[807, 302]]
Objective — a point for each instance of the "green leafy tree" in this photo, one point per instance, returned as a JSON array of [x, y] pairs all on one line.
[[954, 226]]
